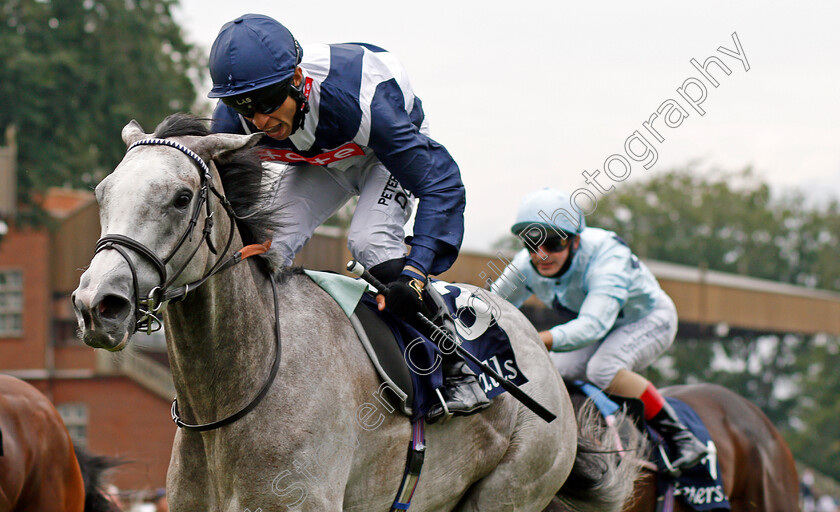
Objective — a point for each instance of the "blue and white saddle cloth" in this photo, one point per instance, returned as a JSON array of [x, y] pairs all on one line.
[[475, 324], [478, 333]]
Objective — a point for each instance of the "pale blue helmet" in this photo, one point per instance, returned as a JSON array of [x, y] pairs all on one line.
[[550, 210]]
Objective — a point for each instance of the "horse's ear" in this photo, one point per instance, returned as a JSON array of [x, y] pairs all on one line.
[[133, 132], [218, 144]]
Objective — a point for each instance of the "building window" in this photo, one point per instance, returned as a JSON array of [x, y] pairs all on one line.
[[75, 416], [11, 303]]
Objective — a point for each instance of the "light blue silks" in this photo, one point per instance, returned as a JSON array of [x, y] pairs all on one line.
[[346, 291]]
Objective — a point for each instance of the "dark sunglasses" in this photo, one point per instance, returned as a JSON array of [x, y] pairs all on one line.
[[265, 100], [553, 244]]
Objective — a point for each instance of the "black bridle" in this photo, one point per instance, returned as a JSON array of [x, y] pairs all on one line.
[[147, 310]]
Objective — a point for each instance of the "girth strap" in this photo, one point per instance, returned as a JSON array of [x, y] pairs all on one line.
[[413, 466], [665, 503]]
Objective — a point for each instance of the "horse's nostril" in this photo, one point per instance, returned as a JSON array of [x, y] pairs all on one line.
[[112, 307], [87, 319]]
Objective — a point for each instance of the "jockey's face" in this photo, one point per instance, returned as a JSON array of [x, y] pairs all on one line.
[[278, 124], [548, 263]]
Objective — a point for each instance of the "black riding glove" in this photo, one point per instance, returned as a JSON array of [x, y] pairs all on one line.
[[405, 297]]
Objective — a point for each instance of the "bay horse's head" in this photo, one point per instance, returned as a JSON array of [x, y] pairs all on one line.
[[166, 224]]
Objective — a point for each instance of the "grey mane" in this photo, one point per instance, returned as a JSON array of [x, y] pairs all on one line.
[[242, 177], [286, 273]]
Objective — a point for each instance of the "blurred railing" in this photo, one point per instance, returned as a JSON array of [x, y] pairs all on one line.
[[143, 369]]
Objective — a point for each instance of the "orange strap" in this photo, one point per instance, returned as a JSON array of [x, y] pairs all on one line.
[[254, 249]]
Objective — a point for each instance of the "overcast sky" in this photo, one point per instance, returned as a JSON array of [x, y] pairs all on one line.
[[533, 93]]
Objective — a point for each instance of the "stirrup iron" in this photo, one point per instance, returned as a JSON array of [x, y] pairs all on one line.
[[447, 414]]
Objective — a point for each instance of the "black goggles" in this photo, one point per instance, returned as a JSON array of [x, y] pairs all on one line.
[[265, 100], [553, 244]]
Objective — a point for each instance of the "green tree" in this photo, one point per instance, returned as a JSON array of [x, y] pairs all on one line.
[[721, 222], [814, 435], [766, 369], [725, 221], [75, 72], [728, 222], [817, 238]]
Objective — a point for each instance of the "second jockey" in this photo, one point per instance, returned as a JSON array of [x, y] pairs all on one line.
[[617, 319]]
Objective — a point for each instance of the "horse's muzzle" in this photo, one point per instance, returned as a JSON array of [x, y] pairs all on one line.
[[105, 319]]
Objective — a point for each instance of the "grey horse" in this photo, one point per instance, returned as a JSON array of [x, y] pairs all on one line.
[[310, 444]]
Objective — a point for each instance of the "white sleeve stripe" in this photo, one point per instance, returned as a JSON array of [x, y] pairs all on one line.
[[316, 65], [244, 124], [378, 67]]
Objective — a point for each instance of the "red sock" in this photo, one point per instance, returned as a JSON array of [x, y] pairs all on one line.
[[652, 400]]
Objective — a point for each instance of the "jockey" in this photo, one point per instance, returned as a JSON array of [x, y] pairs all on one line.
[[617, 320], [343, 120]]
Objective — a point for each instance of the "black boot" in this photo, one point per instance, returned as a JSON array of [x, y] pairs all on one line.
[[462, 393], [688, 451]]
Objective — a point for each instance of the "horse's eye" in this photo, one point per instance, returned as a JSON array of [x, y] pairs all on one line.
[[182, 200]]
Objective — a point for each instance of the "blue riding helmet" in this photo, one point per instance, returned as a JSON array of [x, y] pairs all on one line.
[[551, 210], [252, 52]]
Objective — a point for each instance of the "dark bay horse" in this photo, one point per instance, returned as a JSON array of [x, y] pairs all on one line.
[[295, 428], [39, 467], [757, 467]]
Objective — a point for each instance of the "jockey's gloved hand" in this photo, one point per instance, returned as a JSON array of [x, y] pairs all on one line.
[[405, 297]]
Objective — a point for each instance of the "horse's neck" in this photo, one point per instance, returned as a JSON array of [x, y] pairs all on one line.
[[221, 343]]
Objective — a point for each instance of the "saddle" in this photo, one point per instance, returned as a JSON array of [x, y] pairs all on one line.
[[381, 345], [409, 362], [380, 336]]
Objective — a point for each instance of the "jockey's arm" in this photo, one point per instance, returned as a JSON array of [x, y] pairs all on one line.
[[597, 316], [608, 289], [426, 169], [511, 284]]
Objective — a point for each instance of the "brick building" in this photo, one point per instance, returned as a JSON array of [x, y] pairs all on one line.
[[114, 404]]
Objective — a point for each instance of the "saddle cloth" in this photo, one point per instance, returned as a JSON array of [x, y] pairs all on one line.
[[478, 332], [700, 487], [408, 362]]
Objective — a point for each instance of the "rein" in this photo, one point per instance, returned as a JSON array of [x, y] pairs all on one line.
[[257, 399], [147, 310]]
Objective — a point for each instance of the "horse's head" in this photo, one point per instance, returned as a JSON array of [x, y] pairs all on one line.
[[162, 219]]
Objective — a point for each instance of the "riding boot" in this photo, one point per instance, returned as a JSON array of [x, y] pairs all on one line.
[[462, 393], [688, 451]]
